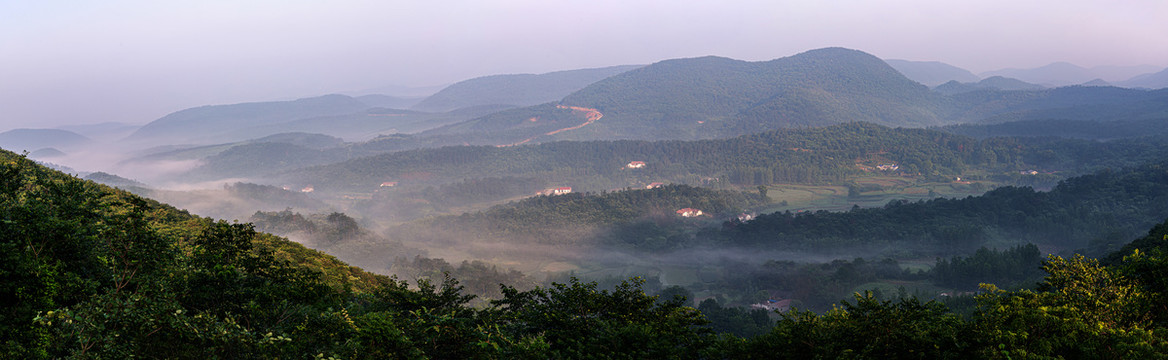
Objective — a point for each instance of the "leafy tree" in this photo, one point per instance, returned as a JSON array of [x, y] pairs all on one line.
[[579, 321]]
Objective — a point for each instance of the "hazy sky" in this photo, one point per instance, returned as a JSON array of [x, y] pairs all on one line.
[[70, 62]]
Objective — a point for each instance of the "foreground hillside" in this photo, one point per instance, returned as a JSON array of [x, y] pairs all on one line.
[[92, 272]]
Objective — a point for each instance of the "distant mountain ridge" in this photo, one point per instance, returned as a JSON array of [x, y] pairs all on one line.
[[221, 122], [1158, 80], [990, 83], [333, 115], [516, 89], [36, 139], [712, 97], [1064, 73], [932, 73], [677, 99]]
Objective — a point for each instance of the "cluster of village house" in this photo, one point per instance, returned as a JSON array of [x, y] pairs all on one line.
[[686, 212], [773, 305]]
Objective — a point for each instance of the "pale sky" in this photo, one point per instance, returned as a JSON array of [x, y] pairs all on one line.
[[74, 62]]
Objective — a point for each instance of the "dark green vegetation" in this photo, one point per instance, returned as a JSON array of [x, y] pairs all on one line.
[[1074, 129], [817, 155], [712, 256], [113, 180], [1093, 212], [515, 90], [804, 156], [639, 219], [335, 233], [93, 272]]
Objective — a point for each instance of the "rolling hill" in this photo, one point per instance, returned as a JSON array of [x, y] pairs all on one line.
[[1065, 74], [712, 97], [810, 156], [991, 83], [226, 123], [36, 139], [932, 73], [516, 90], [1158, 80], [1094, 103]]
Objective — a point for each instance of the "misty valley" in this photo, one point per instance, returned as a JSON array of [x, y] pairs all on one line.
[[829, 204]]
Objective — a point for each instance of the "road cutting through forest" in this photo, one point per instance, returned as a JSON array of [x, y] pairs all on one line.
[[590, 116]]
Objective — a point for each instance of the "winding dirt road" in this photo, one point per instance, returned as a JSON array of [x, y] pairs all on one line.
[[590, 116]]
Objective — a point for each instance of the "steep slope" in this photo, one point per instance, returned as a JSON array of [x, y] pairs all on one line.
[[932, 73], [101, 270], [516, 90], [712, 97]]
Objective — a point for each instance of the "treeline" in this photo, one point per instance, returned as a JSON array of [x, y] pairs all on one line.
[[575, 218], [1014, 267], [818, 155], [336, 233], [1063, 128], [804, 156], [1073, 215], [476, 278]]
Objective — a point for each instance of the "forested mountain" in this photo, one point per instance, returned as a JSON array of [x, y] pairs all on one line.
[[932, 73], [807, 156], [719, 97], [679, 99], [516, 90], [635, 217], [714, 97], [1095, 213], [815, 155], [1095, 103]]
